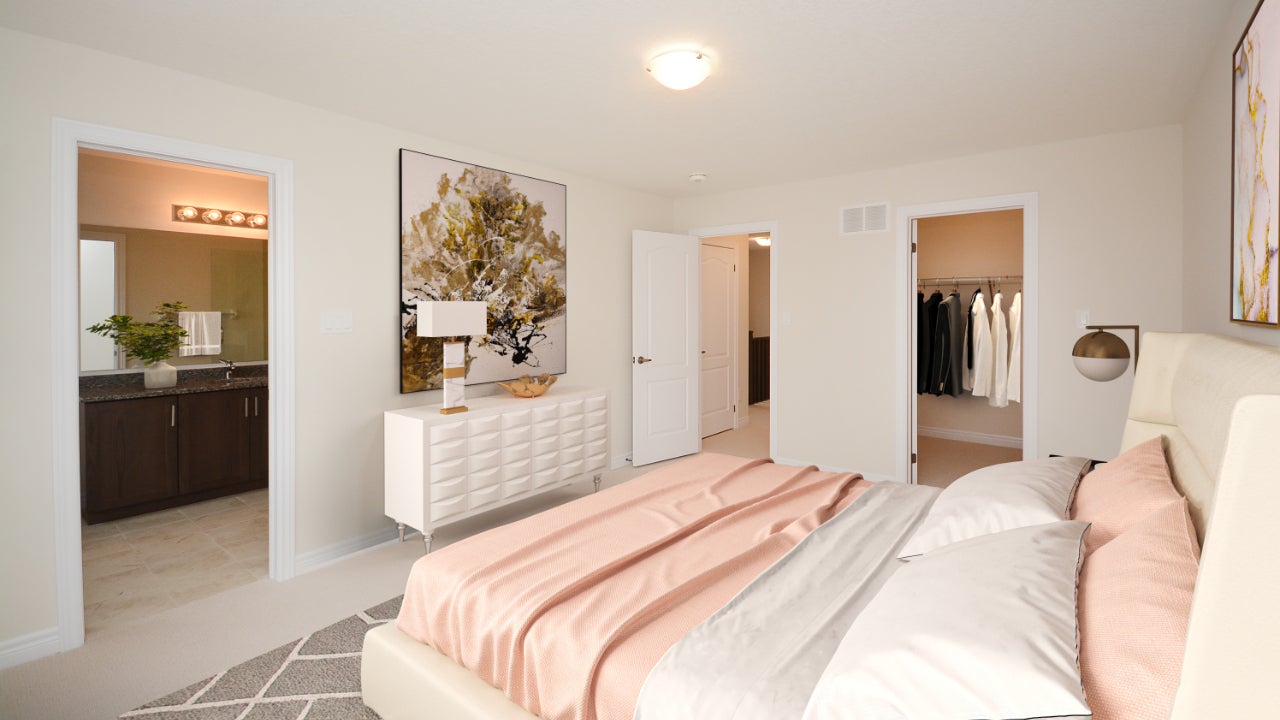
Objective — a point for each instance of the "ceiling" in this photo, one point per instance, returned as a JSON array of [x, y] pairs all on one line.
[[799, 89]]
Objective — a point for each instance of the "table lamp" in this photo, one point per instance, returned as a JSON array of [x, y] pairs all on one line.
[[453, 319]]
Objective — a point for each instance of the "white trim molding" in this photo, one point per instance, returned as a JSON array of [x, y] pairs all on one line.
[[905, 271], [25, 648], [969, 436], [68, 136], [315, 559]]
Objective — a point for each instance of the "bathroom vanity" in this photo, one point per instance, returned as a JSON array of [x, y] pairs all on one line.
[[145, 450]]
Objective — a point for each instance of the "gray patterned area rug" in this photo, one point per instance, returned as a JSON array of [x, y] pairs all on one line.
[[314, 678]]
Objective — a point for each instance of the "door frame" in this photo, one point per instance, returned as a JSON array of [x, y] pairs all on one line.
[[68, 137], [1029, 203], [775, 328]]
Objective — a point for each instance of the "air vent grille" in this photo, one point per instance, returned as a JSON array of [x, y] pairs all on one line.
[[856, 219]]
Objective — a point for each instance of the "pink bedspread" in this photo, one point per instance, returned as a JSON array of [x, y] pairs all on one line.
[[568, 610]]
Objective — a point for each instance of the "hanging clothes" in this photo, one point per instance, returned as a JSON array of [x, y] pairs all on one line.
[[941, 362], [1015, 348], [953, 384], [999, 395], [926, 321], [966, 380], [981, 347]]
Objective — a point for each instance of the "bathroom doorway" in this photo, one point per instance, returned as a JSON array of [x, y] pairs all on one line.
[[68, 138], [175, 507]]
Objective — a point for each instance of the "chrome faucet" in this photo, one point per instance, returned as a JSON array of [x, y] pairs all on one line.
[[231, 367]]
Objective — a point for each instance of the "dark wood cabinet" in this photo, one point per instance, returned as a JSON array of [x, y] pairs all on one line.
[[213, 447], [151, 453], [130, 454]]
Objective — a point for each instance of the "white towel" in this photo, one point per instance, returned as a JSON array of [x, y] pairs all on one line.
[[204, 333], [1015, 349]]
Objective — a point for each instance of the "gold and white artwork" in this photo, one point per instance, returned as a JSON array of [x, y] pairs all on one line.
[[1256, 170], [477, 234]]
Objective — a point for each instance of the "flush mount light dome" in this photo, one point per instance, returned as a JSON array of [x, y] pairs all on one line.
[[680, 69]]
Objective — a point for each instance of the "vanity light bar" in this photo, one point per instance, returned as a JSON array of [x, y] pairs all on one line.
[[215, 216]]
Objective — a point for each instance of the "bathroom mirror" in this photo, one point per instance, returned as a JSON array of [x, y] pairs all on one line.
[[136, 252]]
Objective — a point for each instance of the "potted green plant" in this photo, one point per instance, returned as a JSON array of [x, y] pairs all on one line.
[[152, 343]]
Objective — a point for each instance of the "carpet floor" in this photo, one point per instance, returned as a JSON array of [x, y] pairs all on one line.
[[313, 678]]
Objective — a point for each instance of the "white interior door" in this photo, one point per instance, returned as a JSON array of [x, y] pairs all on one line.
[[664, 345], [719, 306]]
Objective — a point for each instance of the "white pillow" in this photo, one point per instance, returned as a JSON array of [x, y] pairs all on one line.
[[999, 497], [983, 628]]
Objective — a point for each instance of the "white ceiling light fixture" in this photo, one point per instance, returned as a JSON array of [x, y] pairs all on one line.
[[697, 178], [680, 69]]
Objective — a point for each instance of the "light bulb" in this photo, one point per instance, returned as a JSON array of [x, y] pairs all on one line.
[[212, 215], [235, 218]]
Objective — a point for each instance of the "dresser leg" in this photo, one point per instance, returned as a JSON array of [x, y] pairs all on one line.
[[596, 480], [426, 541], [400, 527]]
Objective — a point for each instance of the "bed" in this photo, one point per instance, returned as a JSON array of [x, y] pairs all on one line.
[[1216, 403]]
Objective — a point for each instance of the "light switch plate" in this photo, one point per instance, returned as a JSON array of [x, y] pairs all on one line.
[[335, 322]]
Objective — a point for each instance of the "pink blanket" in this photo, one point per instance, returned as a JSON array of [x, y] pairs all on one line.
[[568, 610]]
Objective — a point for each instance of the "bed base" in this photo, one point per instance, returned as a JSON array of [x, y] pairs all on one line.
[[403, 679]]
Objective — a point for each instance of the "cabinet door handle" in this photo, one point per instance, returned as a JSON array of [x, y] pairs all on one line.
[[255, 407], [246, 407], [173, 415]]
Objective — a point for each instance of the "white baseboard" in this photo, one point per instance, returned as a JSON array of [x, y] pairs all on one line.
[[316, 559], [873, 477], [970, 437], [25, 648]]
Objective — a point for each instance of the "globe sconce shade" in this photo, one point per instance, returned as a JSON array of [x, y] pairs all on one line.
[[680, 69], [1101, 356]]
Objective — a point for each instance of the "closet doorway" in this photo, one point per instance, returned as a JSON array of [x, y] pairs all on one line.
[[970, 392]]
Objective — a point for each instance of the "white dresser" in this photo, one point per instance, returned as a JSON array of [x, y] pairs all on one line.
[[443, 468]]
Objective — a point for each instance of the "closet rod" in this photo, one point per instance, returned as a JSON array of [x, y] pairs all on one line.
[[967, 280]]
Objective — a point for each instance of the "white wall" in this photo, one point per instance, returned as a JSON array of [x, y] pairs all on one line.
[[1110, 230], [347, 258], [1206, 187]]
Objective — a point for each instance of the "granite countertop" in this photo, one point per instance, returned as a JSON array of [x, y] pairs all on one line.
[[128, 386]]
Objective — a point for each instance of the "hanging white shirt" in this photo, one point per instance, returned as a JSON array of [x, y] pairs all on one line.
[[1015, 349], [981, 348], [999, 395]]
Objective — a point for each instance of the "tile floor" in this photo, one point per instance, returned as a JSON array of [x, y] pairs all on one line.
[[142, 565]]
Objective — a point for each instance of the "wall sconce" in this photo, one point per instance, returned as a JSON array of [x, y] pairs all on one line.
[[680, 69], [216, 216], [453, 319], [1101, 356]]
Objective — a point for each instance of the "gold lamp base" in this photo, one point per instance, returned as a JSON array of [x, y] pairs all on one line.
[[454, 409]]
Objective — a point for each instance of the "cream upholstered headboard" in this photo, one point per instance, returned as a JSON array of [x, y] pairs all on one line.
[[1217, 403]]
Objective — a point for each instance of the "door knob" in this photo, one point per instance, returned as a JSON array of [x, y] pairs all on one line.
[[642, 360]]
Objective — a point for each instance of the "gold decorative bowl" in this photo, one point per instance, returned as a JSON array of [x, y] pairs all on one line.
[[529, 387]]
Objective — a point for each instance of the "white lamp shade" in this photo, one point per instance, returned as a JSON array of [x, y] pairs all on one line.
[[680, 69], [1101, 369], [453, 318]]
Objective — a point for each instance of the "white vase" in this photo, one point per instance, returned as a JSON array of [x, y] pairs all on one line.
[[159, 374]]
